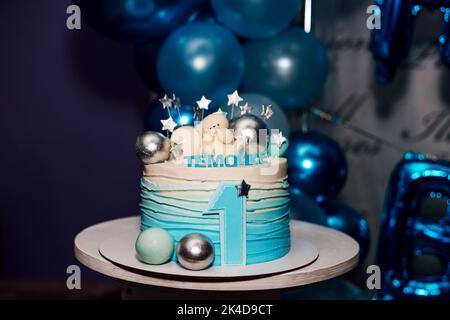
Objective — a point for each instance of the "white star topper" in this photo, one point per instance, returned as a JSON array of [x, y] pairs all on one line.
[[234, 99], [168, 124], [203, 103]]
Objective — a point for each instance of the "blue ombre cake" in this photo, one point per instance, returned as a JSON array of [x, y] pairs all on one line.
[[175, 197]]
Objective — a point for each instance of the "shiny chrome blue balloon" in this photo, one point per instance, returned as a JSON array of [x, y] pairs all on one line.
[[317, 165], [200, 59], [347, 220], [278, 120], [291, 68], [414, 245], [444, 38], [137, 20], [391, 43], [256, 19]]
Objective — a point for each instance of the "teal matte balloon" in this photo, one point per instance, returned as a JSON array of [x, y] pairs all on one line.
[[199, 59], [154, 246], [256, 18], [291, 68]]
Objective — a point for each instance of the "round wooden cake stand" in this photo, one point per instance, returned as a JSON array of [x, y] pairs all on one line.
[[338, 253]]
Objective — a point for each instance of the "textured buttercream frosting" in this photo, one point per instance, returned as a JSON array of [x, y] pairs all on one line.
[[174, 197]]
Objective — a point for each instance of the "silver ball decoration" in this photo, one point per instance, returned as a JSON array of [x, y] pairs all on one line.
[[152, 147], [195, 252], [247, 126]]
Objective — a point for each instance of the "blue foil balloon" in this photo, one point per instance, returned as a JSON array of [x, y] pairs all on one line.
[[200, 59], [291, 68], [137, 20], [347, 220], [278, 120], [414, 246], [317, 165], [256, 19], [444, 38]]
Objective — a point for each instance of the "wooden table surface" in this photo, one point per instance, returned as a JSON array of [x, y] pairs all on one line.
[[338, 253]]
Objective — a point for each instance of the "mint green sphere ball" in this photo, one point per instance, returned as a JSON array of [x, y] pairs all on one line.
[[154, 246]]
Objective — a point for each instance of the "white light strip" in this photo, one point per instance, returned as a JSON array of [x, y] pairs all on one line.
[[308, 7]]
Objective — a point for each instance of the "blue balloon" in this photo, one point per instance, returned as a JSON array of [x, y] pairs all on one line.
[[155, 113], [145, 56], [291, 68], [347, 220], [256, 19], [317, 165], [391, 43], [200, 59], [278, 120], [303, 208], [137, 20]]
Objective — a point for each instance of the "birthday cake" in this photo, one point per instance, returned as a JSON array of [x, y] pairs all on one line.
[[220, 179]]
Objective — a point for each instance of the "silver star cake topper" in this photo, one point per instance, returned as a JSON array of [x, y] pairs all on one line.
[[166, 102], [234, 99], [246, 109], [168, 124], [277, 139], [266, 111], [203, 103], [176, 150], [176, 101]]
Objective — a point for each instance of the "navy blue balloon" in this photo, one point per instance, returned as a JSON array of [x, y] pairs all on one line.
[[291, 68], [145, 57], [256, 19], [155, 113], [137, 20], [391, 43], [347, 220], [200, 59], [317, 165], [303, 208]]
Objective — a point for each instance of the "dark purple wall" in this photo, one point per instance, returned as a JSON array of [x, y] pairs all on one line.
[[71, 105]]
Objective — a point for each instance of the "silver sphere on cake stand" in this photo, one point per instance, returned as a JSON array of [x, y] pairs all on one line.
[[195, 252]]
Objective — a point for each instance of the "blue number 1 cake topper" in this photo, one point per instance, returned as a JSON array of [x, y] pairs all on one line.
[[229, 201]]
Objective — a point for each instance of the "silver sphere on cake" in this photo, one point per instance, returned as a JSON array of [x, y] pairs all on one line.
[[247, 127], [152, 147], [195, 252]]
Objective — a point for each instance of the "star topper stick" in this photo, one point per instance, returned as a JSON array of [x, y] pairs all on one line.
[[166, 103], [177, 105], [197, 115], [203, 104], [168, 125], [233, 101], [246, 109]]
